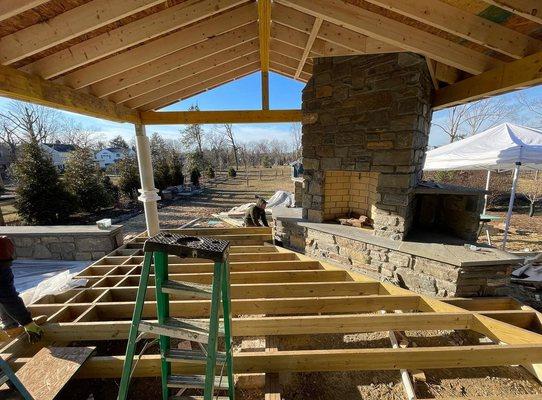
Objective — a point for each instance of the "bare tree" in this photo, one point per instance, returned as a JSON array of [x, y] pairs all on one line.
[[534, 105], [193, 135], [531, 188], [24, 122], [228, 133], [467, 119], [217, 146], [296, 131], [75, 134]]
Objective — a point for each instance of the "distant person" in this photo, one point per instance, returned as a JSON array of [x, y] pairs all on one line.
[[256, 213], [13, 312]]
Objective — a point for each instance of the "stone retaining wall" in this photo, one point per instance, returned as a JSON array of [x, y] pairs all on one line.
[[63, 242], [416, 273]]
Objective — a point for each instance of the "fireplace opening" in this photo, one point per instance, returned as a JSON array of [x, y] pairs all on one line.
[[350, 197]]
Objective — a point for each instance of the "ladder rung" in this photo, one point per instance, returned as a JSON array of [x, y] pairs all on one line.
[[193, 356], [177, 329], [195, 382], [197, 398], [3, 378], [195, 289]]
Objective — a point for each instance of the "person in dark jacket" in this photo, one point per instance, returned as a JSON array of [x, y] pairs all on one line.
[[256, 213], [13, 312]]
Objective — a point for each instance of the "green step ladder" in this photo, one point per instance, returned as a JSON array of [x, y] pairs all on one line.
[[204, 332], [8, 376]]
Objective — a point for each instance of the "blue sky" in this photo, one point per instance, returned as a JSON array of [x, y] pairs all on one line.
[[244, 94]]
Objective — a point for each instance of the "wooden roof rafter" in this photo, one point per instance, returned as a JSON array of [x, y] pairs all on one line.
[[10, 8]]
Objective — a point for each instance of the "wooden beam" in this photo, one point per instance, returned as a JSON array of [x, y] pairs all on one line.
[[511, 76], [10, 8], [395, 33], [280, 326], [66, 26], [264, 24], [432, 71], [290, 62], [529, 9], [208, 84], [226, 43], [18, 85], [468, 26], [310, 41], [180, 80], [287, 72], [126, 36], [220, 117], [332, 360]]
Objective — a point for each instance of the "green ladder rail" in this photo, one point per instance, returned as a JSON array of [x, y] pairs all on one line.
[[205, 333], [8, 376]]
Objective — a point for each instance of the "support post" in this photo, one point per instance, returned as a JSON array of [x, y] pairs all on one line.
[[510, 205], [149, 194], [487, 189], [265, 90]]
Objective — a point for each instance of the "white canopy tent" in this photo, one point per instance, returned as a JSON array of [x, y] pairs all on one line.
[[503, 147]]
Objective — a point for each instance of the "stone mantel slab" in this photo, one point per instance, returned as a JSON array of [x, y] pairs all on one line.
[[434, 247]]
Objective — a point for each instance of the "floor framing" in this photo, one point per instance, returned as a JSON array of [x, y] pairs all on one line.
[[279, 292]]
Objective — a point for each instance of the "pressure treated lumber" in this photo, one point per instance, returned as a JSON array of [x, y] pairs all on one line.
[[10, 8], [221, 117], [51, 368], [19, 85], [68, 25], [514, 75], [335, 360], [395, 33]]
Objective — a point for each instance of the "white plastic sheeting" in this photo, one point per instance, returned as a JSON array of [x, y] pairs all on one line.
[[498, 148], [37, 278], [281, 198]]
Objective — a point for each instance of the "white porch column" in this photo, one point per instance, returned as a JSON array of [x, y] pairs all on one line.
[[149, 194]]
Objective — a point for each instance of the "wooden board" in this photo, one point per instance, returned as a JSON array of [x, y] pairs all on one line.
[[51, 368]]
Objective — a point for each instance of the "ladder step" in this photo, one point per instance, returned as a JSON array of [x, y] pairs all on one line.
[[192, 356], [195, 382], [198, 290], [4, 378], [197, 398], [187, 329]]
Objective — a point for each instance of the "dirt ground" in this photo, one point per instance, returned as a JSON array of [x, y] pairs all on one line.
[[525, 232], [220, 194]]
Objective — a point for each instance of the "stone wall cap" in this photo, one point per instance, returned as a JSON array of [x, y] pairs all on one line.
[[59, 230], [448, 253]]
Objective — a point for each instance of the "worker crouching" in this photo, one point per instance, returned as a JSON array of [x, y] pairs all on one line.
[[256, 213]]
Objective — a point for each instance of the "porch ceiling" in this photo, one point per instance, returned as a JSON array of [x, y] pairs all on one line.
[[140, 55]]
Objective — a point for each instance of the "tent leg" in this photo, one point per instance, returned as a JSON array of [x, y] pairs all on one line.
[[510, 205], [149, 194], [487, 189]]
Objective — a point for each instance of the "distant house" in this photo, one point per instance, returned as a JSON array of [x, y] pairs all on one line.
[[111, 155], [59, 153]]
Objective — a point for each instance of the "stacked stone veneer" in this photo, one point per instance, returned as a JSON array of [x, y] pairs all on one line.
[[373, 115], [67, 245], [420, 274]]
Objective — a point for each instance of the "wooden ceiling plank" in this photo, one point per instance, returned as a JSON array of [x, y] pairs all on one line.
[[287, 50], [287, 71], [308, 46], [465, 25], [217, 80], [66, 26], [126, 36], [185, 71], [19, 85], [177, 59], [511, 76], [529, 9], [181, 81], [395, 33], [161, 47], [290, 62], [10, 8]]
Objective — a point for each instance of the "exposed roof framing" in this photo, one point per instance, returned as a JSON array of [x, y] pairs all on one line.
[[299, 295], [142, 53]]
